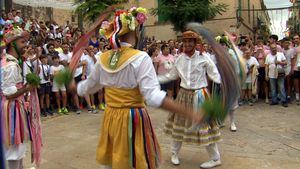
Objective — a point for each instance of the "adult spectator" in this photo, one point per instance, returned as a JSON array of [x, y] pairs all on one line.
[[163, 63], [275, 72], [94, 42], [289, 54], [51, 53], [296, 68], [66, 55], [273, 39], [260, 53]]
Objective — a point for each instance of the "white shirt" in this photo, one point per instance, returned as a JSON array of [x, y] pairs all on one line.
[[27, 68], [56, 69], [78, 70], [289, 55], [297, 64], [139, 73], [44, 69], [249, 63], [212, 56], [51, 35], [58, 35], [10, 76], [66, 57], [192, 71], [90, 63], [270, 61]]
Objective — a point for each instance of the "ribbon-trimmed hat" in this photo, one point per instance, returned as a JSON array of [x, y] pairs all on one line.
[[191, 35], [12, 33], [124, 21]]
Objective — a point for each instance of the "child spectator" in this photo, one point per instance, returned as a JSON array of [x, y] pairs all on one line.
[[54, 70], [45, 86], [251, 64]]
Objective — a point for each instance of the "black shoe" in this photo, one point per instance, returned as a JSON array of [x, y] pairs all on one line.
[[285, 105], [288, 98], [273, 103], [43, 113], [49, 112]]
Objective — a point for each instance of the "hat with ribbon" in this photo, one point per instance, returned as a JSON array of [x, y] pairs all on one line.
[[124, 21], [12, 33], [191, 35]]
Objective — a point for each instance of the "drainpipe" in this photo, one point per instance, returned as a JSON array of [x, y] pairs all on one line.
[[239, 12], [239, 8]]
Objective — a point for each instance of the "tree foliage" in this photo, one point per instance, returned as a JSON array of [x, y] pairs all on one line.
[[91, 9], [180, 12]]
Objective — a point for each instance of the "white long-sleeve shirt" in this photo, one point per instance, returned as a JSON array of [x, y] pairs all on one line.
[[139, 73], [192, 71], [11, 76]]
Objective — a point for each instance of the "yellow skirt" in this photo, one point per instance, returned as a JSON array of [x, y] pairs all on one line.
[[127, 140]]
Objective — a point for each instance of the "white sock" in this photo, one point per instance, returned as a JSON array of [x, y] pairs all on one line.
[[213, 151], [176, 146], [297, 96]]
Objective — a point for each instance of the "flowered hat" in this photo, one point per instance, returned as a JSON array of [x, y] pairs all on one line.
[[11, 33], [223, 39], [124, 21]]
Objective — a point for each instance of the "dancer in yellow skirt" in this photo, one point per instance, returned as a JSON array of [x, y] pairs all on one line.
[[192, 68], [127, 138]]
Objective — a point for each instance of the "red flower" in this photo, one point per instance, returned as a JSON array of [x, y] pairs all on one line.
[[118, 13]]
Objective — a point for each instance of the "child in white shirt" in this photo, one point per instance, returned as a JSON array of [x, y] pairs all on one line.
[[54, 70], [45, 85]]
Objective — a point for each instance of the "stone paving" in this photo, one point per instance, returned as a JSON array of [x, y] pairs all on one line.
[[268, 137]]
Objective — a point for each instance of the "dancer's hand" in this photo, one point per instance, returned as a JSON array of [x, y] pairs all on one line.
[[197, 117], [29, 87], [170, 105]]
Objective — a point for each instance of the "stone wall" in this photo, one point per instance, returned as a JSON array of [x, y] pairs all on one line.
[[48, 13]]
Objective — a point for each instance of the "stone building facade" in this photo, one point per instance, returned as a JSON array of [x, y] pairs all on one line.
[[46, 10], [241, 17]]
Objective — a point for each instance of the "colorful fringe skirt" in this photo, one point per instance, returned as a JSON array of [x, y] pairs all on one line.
[[127, 140], [185, 130], [15, 122], [2, 156]]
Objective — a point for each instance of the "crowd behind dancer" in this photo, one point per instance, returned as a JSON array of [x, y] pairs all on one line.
[[274, 64], [55, 40]]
